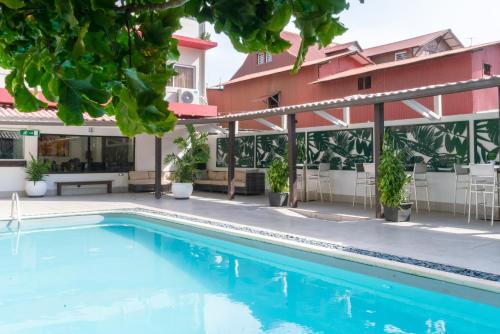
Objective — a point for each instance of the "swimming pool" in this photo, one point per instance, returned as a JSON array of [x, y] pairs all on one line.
[[127, 274]]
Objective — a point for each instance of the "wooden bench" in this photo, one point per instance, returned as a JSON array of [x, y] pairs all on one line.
[[59, 185]]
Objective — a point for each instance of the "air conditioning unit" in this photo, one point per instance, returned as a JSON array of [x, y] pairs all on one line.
[[188, 96]]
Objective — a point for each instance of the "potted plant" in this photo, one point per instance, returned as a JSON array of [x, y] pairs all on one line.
[[277, 176], [391, 184], [36, 170], [193, 151]]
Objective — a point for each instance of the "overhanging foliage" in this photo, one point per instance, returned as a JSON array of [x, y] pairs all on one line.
[[115, 57]]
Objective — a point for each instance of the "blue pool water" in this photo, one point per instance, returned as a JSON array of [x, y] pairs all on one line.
[[126, 275]]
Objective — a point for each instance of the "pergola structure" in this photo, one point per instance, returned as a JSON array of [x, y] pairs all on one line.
[[378, 100]]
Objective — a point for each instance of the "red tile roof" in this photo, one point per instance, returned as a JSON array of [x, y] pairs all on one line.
[[339, 47], [287, 68], [407, 43], [314, 51], [375, 67], [10, 114]]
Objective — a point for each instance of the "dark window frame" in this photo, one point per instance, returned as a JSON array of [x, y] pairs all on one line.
[[486, 69], [365, 82], [273, 102], [87, 171], [173, 83], [13, 145]]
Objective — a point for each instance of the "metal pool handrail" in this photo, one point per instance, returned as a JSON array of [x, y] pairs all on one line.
[[15, 203]]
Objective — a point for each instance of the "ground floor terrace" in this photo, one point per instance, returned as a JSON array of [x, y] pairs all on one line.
[[440, 241]]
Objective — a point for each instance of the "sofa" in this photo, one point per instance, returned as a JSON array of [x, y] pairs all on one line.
[[144, 181], [247, 182]]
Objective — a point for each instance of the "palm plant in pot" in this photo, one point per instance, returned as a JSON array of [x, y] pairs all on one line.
[[277, 176], [391, 184], [36, 170], [193, 151]]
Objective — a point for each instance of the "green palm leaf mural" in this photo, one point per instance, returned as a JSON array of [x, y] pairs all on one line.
[[486, 140], [438, 145], [341, 148], [245, 152], [270, 147]]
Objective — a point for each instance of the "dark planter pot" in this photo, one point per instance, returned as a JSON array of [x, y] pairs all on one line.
[[401, 214], [278, 199], [201, 166]]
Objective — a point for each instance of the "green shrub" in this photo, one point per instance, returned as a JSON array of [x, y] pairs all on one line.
[[193, 150], [36, 169], [391, 176], [277, 176]]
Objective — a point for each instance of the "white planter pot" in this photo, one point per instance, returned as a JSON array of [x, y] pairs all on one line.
[[35, 189], [182, 190]]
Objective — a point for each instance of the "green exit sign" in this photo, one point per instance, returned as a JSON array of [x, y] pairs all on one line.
[[29, 132]]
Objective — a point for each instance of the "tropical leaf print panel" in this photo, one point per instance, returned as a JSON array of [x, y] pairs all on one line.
[[341, 148], [244, 152], [301, 147], [270, 147], [439, 146], [273, 146], [486, 140]]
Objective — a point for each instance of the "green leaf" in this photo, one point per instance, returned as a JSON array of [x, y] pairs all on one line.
[[281, 17], [77, 97], [79, 47], [143, 92], [65, 9], [25, 101], [14, 4]]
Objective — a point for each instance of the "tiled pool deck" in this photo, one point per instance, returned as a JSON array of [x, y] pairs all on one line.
[[431, 239]]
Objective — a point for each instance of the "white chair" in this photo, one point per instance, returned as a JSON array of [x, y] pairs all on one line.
[[483, 181], [365, 178], [419, 180], [322, 176], [461, 183]]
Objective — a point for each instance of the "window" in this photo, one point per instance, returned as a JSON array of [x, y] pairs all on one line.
[[11, 145], [264, 57], [365, 83], [273, 101], [269, 57], [486, 69], [260, 58], [185, 77], [400, 55], [86, 154]]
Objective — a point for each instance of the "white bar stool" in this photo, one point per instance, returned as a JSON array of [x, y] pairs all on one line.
[[419, 180], [461, 183], [483, 181]]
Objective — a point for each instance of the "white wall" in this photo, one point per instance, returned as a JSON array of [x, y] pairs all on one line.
[[190, 28], [145, 148], [441, 184], [194, 58]]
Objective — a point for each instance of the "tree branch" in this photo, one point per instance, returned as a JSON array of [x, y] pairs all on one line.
[[152, 6]]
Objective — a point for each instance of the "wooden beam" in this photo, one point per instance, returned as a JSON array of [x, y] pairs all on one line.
[[231, 160], [292, 161], [378, 138], [157, 167]]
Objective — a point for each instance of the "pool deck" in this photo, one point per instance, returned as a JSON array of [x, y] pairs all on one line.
[[436, 237]]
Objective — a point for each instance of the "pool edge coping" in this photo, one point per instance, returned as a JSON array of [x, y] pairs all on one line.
[[302, 243]]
